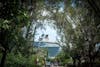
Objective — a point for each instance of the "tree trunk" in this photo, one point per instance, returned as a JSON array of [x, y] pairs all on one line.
[[4, 54], [79, 62], [74, 62]]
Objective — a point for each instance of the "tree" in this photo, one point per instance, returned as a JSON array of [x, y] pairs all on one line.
[[80, 27], [12, 18]]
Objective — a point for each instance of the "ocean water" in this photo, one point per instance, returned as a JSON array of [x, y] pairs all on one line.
[[52, 50]]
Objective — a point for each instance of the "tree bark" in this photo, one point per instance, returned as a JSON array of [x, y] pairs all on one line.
[[74, 62], [4, 54], [79, 62]]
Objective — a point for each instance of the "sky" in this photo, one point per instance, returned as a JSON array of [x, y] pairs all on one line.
[[49, 30]]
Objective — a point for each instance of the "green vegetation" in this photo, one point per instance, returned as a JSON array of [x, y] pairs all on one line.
[[77, 23]]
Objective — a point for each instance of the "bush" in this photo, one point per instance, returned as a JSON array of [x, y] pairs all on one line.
[[19, 61]]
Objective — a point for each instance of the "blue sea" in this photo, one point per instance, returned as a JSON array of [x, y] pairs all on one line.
[[52, 51]]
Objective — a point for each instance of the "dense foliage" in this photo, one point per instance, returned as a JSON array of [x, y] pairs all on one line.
[[77, 23]]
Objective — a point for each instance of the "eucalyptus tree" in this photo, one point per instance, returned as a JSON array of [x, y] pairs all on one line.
[[78, 26], [13, 17], [86, 29]]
